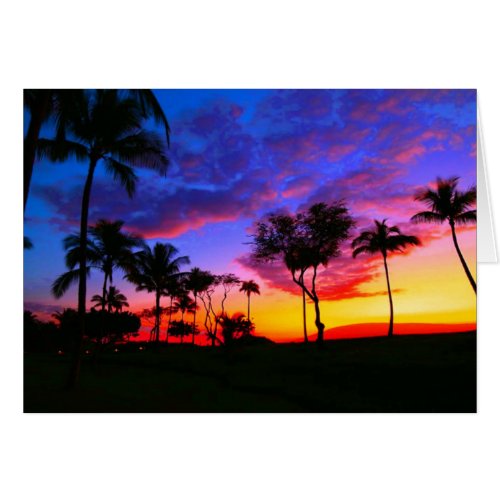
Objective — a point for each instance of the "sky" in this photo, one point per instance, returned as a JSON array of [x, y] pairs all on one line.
[[237, 155]]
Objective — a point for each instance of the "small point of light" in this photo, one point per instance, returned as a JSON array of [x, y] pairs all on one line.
[[60, 352], [87, 352], [116, 350], [141, 348]]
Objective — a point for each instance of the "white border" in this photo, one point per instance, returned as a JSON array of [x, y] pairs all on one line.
[[245, 44]]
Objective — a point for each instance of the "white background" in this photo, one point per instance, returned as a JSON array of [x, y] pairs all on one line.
[[245, 44]]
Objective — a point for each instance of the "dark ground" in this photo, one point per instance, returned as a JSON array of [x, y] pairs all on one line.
[[412, 373]]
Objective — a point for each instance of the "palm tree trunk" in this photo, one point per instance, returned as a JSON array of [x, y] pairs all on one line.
[[182, 319], [306, 340], [194, 316], [104, 289], [391, 320], [103, 328], [169, 317], [157, 319], [38, 115], [248, 306], [82, 282], [462, 260]]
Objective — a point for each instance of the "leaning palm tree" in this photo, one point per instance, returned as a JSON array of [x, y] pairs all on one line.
[[448, 204], [102, 127], [46, 104], [249, 287], [153, 270], [385, 240]]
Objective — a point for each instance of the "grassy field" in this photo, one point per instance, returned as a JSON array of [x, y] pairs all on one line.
[[426, 373]]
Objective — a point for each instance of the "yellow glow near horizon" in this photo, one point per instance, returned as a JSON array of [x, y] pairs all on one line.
[[434, 289]]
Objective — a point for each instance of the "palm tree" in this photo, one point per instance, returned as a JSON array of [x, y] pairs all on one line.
[[114, 299], [447, 203], [153, 271], [197, 282], [174, 289], [103, 127], [185, 304], [249, 287], [108, 249], [384, 239], [46, 104]]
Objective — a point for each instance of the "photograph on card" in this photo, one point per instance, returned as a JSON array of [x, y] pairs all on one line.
[[250, 250]]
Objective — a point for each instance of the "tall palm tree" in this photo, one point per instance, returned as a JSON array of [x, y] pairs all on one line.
[[385, 240], [447, 204], [108, 248], [103, 127], [46, 104], [249, 287], [153, 270], [197, 282], [185, 304]]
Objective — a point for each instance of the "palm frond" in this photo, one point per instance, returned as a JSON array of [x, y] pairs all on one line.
[[151, 107], [27, 244], [466, 217], [63, 282], [363, 249], [144, 149], [60, 150], [428, 216], [122, 173]]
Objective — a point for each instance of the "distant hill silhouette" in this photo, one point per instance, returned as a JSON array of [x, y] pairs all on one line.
[[380, 329]]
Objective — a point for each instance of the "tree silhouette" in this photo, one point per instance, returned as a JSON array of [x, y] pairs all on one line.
[[185, 304], [206, 299], [181, 329], [197, 282], [384, 240], [249, 287], [102, 127], [46, 104], [108, 248], [447, 204], [174, 289], [234, 327], [305, 241], [153, 270], [114, 299]]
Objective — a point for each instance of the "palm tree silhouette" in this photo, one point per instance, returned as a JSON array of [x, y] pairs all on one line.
[[114, 299], [185, 304], [46, 104], [153, 271], [197, 282], [384, 240], [108, 248], [447, 203], [102, 127], [174, 289], [249, 287]]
